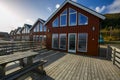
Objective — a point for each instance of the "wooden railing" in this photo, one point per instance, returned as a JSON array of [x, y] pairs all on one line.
[[115, 55], [13, 46]]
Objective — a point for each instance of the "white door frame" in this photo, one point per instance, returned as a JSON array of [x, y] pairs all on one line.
[[73, 51]]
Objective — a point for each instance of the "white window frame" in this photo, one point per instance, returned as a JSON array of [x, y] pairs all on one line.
[[54, 21], [52, 41], [69, 17], [66, 18], [79, 19], [86, 42], [60, 40]]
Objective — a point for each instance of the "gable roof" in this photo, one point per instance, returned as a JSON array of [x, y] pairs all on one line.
[[79, 6], [39, 19], [27, 25], [19, 28]]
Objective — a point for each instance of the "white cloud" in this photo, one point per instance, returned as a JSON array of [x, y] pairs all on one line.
[[28, 21], [49, 8], [114, 7], [74, 0], [57, 6], [100, 9]]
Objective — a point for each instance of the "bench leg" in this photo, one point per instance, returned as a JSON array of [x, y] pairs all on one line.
[[2, 71], [22, 62], [29, 60], [42, 70]]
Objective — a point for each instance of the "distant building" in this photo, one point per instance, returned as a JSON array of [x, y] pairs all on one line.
[[4, 36], [18, 34], [38, 31], [74, 28], [25, 32]]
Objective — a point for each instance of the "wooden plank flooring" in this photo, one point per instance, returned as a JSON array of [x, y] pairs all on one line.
[[76, 67], [65, 66]]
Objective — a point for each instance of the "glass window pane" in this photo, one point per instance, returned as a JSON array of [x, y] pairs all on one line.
[[55, 23], [72, 42], [44, 28], [34, 29], [40, 27], [82, 42], [55, 41], [72, 10], [40, 38], [64, 12], [63, 20], [83, 20], [72, 19], [63, 41], [37, 28]]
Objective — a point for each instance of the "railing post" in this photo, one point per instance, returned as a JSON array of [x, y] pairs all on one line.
[[107, 52], [114, 54], [12, 47]]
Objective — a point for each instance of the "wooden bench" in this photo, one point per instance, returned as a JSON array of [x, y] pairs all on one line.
[[20, 56], [38, 66]]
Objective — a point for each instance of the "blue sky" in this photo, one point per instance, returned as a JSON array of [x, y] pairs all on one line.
[[14, 13]]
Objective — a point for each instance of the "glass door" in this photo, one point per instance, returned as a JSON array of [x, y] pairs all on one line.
[[72, 42]]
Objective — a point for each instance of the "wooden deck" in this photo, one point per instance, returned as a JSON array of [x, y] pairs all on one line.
[[64, 66]]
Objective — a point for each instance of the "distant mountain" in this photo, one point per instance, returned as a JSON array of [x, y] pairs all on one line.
[[112, 19]]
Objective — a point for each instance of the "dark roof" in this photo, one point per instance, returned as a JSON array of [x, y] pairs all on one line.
[[28, 25]]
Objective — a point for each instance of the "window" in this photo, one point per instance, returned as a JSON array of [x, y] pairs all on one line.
[[55, 41], [41, 27], [63, 18], [72, 17], [45, 28], [44, 37], [37, 28], [37, 37], [82, 42], [34, 37], [40, 38], [27, 30], [63, 41], [55, 22], [82, 19]]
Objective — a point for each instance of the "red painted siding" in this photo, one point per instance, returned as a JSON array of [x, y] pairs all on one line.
[[92, 48]]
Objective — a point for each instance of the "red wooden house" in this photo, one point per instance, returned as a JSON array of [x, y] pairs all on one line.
[[74, 28], [38, 31]]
